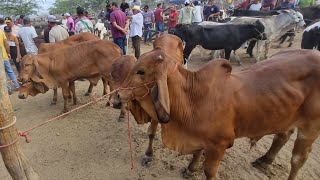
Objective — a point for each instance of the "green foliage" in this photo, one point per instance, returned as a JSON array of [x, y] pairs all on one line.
[[18, 7], [63, 6]]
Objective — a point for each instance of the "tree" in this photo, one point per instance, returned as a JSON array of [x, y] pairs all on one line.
[[18, 7], [63, 6]]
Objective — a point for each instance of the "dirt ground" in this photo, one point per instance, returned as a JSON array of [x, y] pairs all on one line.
[[91, 144]]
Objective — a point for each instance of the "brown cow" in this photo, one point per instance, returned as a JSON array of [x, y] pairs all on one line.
[[208, 109], [72, 40], [91, 60], [173, 46]]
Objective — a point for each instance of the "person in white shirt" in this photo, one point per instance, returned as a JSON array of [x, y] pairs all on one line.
[[255, 6], [57, 32], [197, 16], [27, 35], [136, 29]]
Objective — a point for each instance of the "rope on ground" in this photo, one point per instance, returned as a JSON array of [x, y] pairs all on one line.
[[130, 141], [26, 132]]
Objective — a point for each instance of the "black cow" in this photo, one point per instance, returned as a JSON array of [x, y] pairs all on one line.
[[310, 13], [228, 37], [311, 37]]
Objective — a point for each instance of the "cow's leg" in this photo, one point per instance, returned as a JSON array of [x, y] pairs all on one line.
[[301, 149], [65, 93], [213, 156], [227, 53], [291, 39], [152, 131], [259, 49], [279, 141], [267, 47], [122, 113], [187, 51], [193, 166], [73, 91], [250, 48], [237, 58], [282, 38], [55, 96], [89, 89], [254, 140]]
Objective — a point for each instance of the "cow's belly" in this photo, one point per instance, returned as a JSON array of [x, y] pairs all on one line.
[[178, 138]]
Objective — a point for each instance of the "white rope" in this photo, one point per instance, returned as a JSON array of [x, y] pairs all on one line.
[[13, 122]]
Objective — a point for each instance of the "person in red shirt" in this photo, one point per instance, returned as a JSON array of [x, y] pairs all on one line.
[[158, 16], [173, 19]]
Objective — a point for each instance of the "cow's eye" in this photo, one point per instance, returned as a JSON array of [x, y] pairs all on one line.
[[140, 72]]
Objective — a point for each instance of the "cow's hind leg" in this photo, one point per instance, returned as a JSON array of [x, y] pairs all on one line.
[[193, 166], [279, 141], [73, 91], [152, 131], [55, 96], [302, 148]]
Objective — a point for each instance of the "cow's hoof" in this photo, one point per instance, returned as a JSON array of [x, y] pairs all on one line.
[[290, 44], [186, 173], [262, 162], [251, 55], [278, 46], [146, 161], [121, 119], [53, 103], [108, 103], [87, 94]]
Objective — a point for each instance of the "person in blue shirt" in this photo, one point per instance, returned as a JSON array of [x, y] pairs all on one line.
[[211, 11]]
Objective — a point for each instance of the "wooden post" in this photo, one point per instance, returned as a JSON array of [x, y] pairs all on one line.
[[14, 160]]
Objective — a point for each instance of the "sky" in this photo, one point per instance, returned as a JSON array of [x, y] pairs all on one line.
[[45, 5]]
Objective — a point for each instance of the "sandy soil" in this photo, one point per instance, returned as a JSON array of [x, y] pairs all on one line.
[[91, 144]]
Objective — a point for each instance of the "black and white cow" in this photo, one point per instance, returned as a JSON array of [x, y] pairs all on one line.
[[240, 12], [229, 37], [311, 37]]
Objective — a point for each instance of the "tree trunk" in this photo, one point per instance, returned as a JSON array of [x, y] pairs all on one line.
[[14, 160]]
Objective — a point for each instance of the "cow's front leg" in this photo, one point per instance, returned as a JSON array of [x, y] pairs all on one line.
[[267, 47], [55, 96], [152, 131], [213, 156], [65, 93], [193, 166], [237, 58], [122, 113], [89, 89]]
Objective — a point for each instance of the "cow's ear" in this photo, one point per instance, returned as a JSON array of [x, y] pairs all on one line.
[[226, 66], [161, 101], [36, 76], [41, 87]]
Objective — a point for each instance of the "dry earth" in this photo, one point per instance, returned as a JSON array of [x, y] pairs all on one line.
[[91, 144]]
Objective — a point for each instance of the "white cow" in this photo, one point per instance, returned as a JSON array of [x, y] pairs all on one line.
[[100, 30]]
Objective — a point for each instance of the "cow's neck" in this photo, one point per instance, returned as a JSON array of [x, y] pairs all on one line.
[[44, 70]]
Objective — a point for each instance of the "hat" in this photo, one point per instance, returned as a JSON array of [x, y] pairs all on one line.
[[52, 18], [135, 7], [67, 14], [7, 29], [7, 19]]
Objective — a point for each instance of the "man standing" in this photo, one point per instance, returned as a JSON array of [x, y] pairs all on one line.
[[158, 15], [255, 6], [70, 24], [13, 27], [124, 6], [83, 24], [197, 13], [5, 56], [148, 19], [173, 19], [136, 30], [119, 27], [27, 34], [14, 47], [185, 16], [57, 32]]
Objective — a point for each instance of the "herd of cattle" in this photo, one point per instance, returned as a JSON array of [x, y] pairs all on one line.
[[203, 111]]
